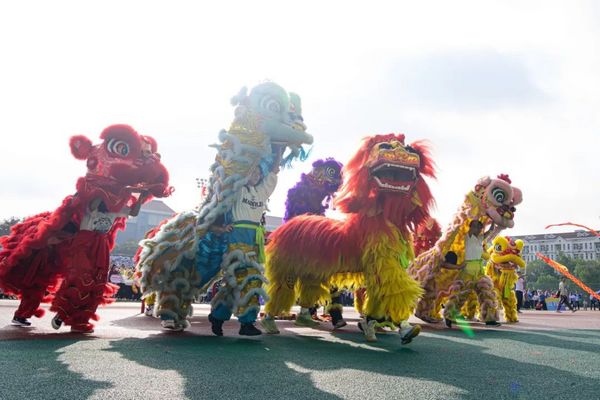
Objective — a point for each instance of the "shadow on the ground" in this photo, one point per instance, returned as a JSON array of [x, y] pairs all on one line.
[[437, 365], [32, 369]]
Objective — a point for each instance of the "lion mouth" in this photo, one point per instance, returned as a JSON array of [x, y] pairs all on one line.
[[509, 261], [394, 177], [503, 215]]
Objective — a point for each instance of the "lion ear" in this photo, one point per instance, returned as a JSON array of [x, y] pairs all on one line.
[[517, 196], [485, 181], [519, 243], [81, 147]]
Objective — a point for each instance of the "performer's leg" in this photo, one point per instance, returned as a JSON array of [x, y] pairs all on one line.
[[150, 300], [488, 302], [32, 278], [460, 291], [336, 308], [393, 295], [310, 292], [568, 304], [29, 306], [220, 310], [425, 309], [510, 305], [173, 305], [85, 286], [250, 282], [282, 296], [469, 309], [359, 300], [519, 295]]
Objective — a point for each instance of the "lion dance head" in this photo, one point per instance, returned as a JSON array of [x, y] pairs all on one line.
[[313, 193], [506, 252], [496, 199], [386, 175], [123, 162]]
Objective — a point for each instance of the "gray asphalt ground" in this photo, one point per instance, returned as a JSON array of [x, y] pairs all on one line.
[[547, 355]]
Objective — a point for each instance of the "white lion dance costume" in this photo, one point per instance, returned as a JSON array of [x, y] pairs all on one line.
[[186, 253]]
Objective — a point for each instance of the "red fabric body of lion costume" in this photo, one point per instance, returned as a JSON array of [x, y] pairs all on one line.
[[49, 258]]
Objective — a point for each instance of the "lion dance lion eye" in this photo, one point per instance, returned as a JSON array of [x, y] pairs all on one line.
[[498, 247], [271, 104], [385, 146], [330, 172], [118, 147], [499, 195]]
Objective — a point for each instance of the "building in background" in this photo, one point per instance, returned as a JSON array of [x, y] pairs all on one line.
[[272, 222], [151, 214], [579, 244]]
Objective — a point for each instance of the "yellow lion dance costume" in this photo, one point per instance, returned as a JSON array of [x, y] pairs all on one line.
[[384, 195], [505, 258], [490, 201]]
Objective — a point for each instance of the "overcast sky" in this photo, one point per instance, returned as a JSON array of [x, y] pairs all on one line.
[[496, 87]]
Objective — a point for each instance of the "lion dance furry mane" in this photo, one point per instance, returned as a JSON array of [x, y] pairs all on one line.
[[384, 197]]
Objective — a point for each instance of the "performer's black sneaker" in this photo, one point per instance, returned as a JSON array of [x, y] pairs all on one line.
[[448, 322], [19, 321], [492, 323], [337, 319], [249, 330], [216, 325], [56, 322]]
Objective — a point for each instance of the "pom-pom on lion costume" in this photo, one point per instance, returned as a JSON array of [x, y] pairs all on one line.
[[490, 201], [66, 252], [505, 259], [181, 258], [384, 196]]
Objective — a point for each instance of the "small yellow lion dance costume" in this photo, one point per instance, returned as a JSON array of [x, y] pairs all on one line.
[[505, 258]]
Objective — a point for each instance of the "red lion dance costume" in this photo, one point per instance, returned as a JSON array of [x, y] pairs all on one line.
[[384, 197], [62, 256]]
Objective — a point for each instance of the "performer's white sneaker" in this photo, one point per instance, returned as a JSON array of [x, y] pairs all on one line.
[[269, 325], [409, 333], [149, 310], [171, 325], [368, 329]]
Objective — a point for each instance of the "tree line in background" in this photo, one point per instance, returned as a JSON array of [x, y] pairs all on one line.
[[538, 274], [6, 224], [541, 276]]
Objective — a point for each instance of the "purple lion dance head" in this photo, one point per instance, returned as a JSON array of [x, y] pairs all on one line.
[[312, 194]]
